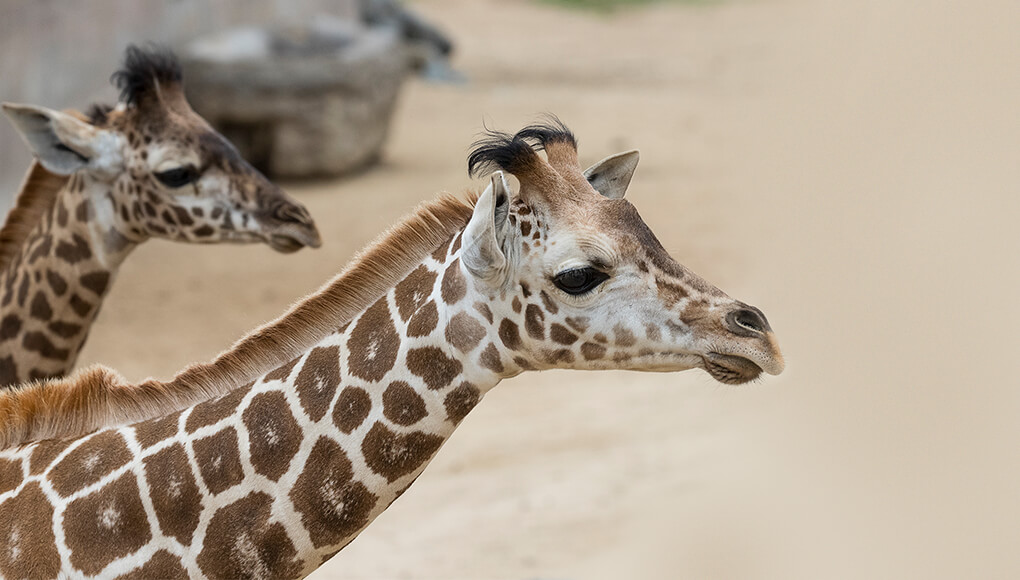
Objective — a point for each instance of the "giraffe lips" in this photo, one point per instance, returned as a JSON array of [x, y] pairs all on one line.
[[730, 369], [294, 239]]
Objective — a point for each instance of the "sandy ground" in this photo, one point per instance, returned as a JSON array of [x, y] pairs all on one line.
[[852, 168]]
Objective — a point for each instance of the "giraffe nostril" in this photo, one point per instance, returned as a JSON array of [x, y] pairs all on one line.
[[292, 213], [747, 319]]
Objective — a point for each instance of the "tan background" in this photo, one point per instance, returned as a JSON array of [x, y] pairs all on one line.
[[852, 168]]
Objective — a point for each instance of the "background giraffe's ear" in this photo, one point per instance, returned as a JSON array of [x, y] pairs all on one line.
[[482, 253], [612, 175], [63, 143]]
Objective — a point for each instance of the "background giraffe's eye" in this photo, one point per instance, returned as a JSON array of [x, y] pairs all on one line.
[[178, 176], [579, 281]]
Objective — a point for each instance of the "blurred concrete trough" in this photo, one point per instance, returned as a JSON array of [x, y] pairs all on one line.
[[308, 101]]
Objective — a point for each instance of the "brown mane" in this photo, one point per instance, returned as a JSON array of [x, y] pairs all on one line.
[[37, 194], [99, 397]]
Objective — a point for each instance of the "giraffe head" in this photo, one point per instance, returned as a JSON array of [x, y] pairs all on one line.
[[168, 173], [582, 281]]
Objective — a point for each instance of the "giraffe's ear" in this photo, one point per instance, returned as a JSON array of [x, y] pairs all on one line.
[[63, 143], [484, 235], [612, 175]]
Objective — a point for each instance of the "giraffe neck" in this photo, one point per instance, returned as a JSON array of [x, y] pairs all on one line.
[[276, 476], [340, 432], [52, 288]]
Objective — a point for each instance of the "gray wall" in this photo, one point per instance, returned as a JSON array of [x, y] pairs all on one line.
[[61, 53]]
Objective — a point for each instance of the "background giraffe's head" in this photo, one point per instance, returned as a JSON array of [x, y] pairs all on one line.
[[169, 174], [582, 282]]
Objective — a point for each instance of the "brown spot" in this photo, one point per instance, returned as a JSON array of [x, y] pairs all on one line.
[[151, 432], [392, 455], [10, 326], [525, 290], [578, 323], [80, 306], [274, 436], [669, 292], [653, 332], [42, 250], [40, 308], [241, 542], [373, 344], [559, 356], [433, 366], [524, 363], [599, 337], [45, 452], [183, 217], [550, 306], [215, 410], [218, 458], [106, 525], [484, 310], [413, 291], [63, 329], [88, 463], [351, 408], [203, 231], [81, 213], [162, 565], [333, 505], [10, 475], [424, 321], [525, 228], [490, 359], [534, 322], [176, 498], [460, 401], [74, 253], [402, 405], [592, 351], [56, 282], [62, 213], [318, 379], [561, 334], [516, 304], [456, 242], [464, 332], [510, 334], [26, 523], [8, 371], [96, 282], [642, 266], [624, 337], [23, 289], [454, 284], [440, 253]]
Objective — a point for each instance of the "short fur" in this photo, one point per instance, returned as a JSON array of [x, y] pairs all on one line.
[[37, 194], [145, 72], [98, 397]]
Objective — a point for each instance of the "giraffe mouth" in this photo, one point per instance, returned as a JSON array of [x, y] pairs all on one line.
[[730, 369], [292, 240]]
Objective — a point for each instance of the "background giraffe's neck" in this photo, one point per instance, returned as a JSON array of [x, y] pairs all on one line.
[[53, 286]]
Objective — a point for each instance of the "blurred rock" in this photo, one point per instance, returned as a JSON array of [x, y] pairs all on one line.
[[317, 99]]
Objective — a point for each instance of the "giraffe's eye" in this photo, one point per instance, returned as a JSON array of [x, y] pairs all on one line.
[[178, 176], [579, 281]]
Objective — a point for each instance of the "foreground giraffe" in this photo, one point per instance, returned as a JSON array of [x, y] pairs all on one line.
[[269, 460], [100, 186]]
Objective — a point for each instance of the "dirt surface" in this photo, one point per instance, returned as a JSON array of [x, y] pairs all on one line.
[[851, 168]]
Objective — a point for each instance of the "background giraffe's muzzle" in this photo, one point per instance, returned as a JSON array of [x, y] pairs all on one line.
[[289, 227]]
